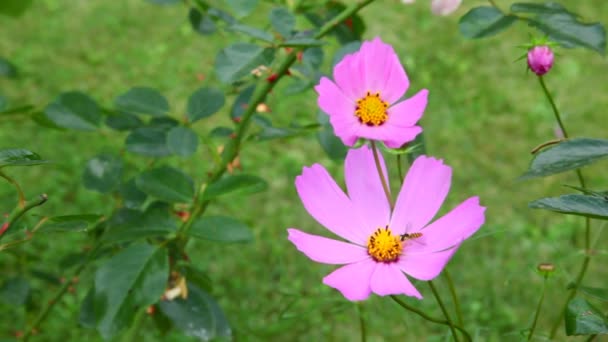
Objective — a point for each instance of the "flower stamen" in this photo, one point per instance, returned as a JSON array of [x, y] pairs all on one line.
[[371, 110], [383, 246]]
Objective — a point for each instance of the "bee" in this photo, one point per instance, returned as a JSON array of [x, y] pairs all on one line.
[[410, 236]]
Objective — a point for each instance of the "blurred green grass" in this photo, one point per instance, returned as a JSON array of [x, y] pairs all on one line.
[[485, 115]]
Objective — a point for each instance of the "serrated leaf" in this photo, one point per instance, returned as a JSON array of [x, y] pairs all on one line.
[[20, 157], [148, 141], [238, 60], [74, 110], [242, 8], [283, 21], [132, 197], [15, 291], [574, 204], [204, 102], [70, 223], [142, 100], [201, 23], [134, 278], [182, 141], [123, 121], [484, 21], [7, 69], [129, 225], [167, 184], [198, 316], [221, 229], [584, 319], [313, 57], [566, 29], [103, 173], [567, 155], [253, 32], [235, 185]]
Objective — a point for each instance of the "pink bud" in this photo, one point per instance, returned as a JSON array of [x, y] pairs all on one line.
[[540, 59], [444, 7]]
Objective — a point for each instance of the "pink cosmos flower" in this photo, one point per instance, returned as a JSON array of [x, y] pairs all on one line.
[[382, 245], [362, 103]]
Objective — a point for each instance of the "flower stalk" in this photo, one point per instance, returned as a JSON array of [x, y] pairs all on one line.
[[538, 308], [20, 211], [444, 310]]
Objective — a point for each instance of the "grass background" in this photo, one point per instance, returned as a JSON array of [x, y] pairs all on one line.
[[484, 116]]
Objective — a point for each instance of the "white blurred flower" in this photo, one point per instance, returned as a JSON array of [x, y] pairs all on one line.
[[444, 7]]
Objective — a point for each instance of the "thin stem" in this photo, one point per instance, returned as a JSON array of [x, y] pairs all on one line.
[[429, 318], [362, 322], [448, 280], [538, 308], [57, 297], [444, 310], [399, 169], [16, 185], [581, 180], [18, 212], [387, 191]]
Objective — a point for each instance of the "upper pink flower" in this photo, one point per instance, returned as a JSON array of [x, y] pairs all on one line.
[[540, 59], [362, 103], [382, 245], [440, 7]]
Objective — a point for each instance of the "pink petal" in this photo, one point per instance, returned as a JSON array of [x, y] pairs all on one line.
[[345, 127], [352, 280], [365, 188], [382, 69], [387, 279], [425, 187], [392, 136], [328, 204], [425, 266], [326, 251], [350, 78], [407, 113], [333, 101], [454, 227]]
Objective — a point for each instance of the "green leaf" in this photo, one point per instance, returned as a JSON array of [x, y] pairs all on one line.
[[7, 68], [242, 8], [167, 184], [282, 21], [241, 102], [103, 173], [129, 225], [135, 277], [567, 155], [419, 150], [203, 103], [574, 204], [238, 60], [132, 197], [14, 8], [235, 185], [123, 121], [15, 291], [182, 141], [20, 157], [198, 316], [302, 42], [220, 228], [345, 50], [142, 100], [331, 144], [74, 110], [196, 276], [86, 318], [584, 319], [313, 57], [201, 23], [70, 223], [538, 8], [566, 29], [253, 32], [595, 292], [148, 141], [484, 21]]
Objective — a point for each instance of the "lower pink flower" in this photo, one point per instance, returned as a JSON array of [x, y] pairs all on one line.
[[382, 245]]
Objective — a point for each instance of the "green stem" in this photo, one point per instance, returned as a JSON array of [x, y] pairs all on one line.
[[429, 318], [448, 280], [399, 169], [444, 310], [538, 308], [387, 191], [262, 89], [19, 191], [581, 180], [362, 322], [57, 297], [18, 212]]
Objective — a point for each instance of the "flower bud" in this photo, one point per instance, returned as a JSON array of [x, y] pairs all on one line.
[[545, 268], [540, 59]]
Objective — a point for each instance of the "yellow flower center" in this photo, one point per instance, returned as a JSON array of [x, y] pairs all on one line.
[[371, 110], [383, 246]]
